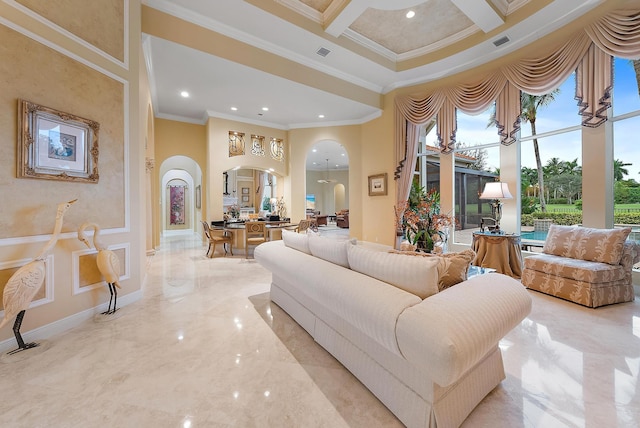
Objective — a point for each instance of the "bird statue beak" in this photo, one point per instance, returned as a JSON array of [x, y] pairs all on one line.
[[72, 202]]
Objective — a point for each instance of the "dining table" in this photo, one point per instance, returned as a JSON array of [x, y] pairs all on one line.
[[237, 230]]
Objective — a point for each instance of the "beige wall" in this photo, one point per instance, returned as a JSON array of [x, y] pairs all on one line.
[[102, 88], [219, 161], [172, 138], [301, 141]]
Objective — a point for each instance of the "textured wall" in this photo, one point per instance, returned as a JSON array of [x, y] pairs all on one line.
[[100, 23], [37, 73]]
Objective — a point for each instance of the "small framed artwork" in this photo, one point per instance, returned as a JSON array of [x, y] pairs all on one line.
[[245, 199], [378, 184], [245, 190], [54, 145], [198, 196]]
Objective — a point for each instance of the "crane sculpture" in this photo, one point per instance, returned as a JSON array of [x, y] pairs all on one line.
[[107, 261], [26, 281]]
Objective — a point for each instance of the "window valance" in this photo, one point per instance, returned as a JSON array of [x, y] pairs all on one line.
[[589, 52]]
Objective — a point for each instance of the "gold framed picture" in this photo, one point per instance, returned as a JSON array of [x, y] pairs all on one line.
[[54, 145], [378, 184]]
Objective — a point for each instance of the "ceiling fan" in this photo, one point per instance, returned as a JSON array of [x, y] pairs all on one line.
[[327, 179]]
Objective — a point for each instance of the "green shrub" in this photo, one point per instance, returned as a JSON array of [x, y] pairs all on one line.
[[526, 219], [578, 204], [560, 218], [569, 219], [529, 205], [557, 201]]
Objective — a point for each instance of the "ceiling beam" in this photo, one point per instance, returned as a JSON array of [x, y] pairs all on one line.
[[345, 18], [481, 13]]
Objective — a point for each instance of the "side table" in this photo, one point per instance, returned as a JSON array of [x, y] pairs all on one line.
[[500, 252]]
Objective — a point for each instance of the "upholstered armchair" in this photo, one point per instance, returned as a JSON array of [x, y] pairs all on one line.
[[592, 267], [342, 219]]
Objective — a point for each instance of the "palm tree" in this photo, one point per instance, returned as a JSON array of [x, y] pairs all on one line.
[[619, 170], [530, 105], [636, 67]]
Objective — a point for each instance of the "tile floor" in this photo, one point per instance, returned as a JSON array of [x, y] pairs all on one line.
[[206, 348]]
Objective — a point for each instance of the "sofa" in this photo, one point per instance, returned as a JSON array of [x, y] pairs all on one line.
[[342, 219], [591, 267], [430, 356]]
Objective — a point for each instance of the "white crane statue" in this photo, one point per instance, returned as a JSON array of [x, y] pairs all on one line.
[[107, 261], [26, 281]]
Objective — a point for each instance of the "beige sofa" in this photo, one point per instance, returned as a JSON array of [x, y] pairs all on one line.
[[430, 356], [588, 266]]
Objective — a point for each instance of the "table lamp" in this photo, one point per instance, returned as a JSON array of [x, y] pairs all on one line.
[[496, 191]]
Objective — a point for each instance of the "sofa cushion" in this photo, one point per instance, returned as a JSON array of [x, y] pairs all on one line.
[[417, 275], [297, 241], [331, 250], [583, 243], [579, 270], [453, 267]]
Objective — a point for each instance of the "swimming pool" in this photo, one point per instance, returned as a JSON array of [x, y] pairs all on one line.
[[536, 235], [541, 235]]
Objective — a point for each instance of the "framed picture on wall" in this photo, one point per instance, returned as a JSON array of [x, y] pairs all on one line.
[[378, 184], [198, 196], [245, 199], [54, 145], [245, 190]]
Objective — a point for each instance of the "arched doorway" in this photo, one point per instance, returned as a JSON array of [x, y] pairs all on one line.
[[180, 184], [327, 173]]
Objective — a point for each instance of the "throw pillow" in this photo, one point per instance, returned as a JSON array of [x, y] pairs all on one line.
[[413, 274], [297, 241], [331, 250], [584, 243], [453, 268]]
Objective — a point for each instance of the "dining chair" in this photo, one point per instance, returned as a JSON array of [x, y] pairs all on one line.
[[215, 238], [307, 224], [255, 233]]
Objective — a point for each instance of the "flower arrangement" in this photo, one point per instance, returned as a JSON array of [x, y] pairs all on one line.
[[234, 211], [420, 221]]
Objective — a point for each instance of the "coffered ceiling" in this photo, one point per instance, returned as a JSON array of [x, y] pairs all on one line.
[[336, 58]]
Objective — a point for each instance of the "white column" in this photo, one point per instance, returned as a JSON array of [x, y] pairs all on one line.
[[510, 167], [597, 176]]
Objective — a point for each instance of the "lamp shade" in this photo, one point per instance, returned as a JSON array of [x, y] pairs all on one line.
[[496, 190]]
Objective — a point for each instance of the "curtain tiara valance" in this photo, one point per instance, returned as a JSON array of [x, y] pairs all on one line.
[[589, 52]]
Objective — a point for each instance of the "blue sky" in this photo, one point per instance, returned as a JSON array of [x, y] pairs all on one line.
[[562, 113]]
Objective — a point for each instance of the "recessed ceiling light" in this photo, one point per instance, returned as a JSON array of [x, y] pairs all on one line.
[[411, 14], [314, 150], [184, 94], [265, 108], [234, 108], [321, 116], [342, 154]]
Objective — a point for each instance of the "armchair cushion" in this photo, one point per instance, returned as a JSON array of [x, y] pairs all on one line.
[[584, 243], [579, 270]]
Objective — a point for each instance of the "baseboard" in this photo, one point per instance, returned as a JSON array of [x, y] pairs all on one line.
[[60, 326]]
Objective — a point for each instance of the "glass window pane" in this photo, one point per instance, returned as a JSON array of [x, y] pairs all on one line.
[[560, 113], [561, 159], [473, 169], [475, 130], [625, 87], [626, 175]]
